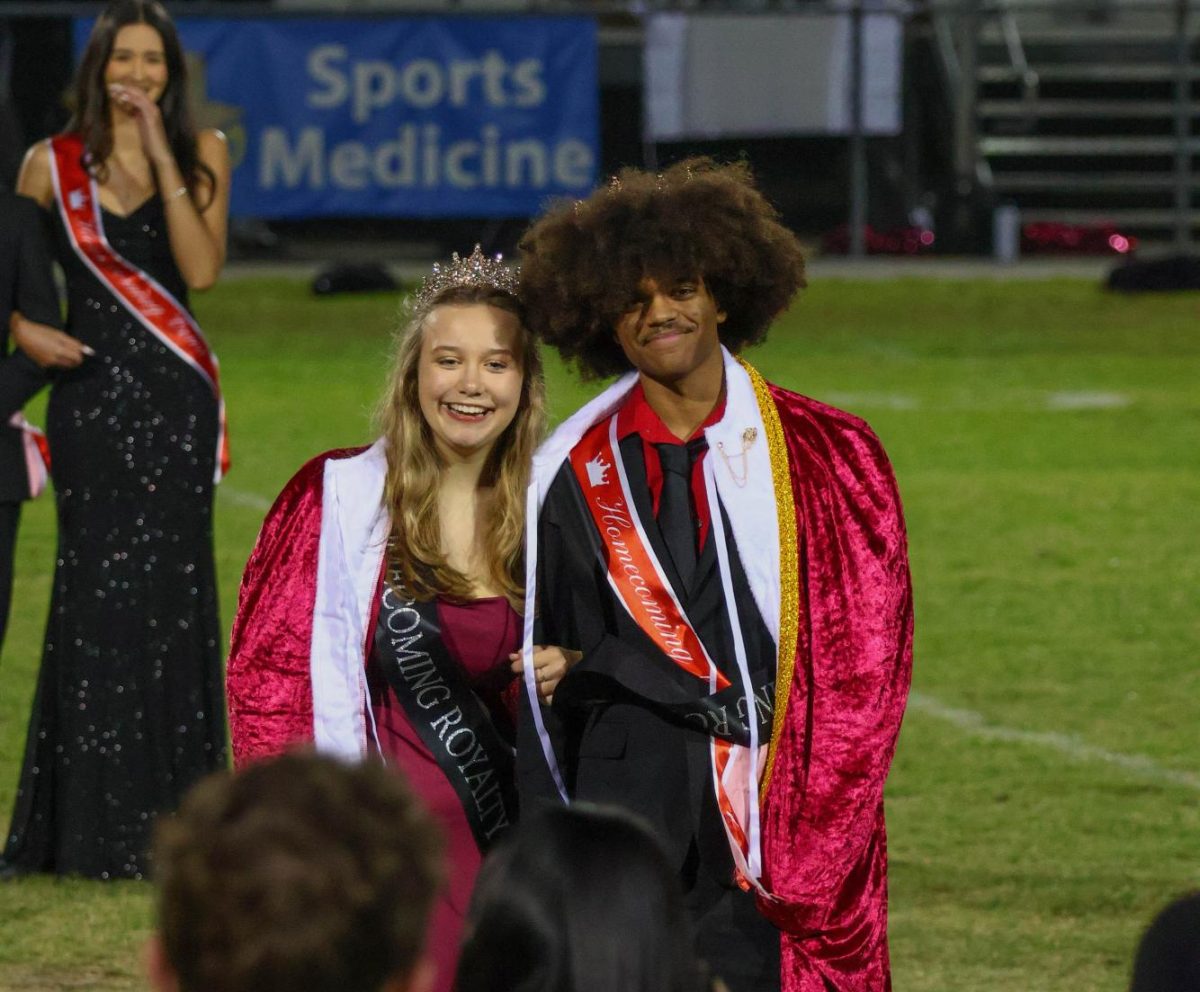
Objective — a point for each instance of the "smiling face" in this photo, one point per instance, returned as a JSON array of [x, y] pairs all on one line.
[[138, 61], [669, 334], [469, 377]]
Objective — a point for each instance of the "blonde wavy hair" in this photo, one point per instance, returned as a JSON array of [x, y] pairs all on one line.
[[415, 466]]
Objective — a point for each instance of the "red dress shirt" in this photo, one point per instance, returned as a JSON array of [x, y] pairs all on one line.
[[636, 416]]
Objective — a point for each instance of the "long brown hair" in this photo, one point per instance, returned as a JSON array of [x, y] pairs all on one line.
[[90, 117], [414, 465]]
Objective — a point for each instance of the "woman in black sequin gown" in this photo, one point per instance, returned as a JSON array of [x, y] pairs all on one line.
[[129, 710]]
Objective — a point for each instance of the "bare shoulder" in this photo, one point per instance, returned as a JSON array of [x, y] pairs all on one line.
[[34, 179], [213, 148], [212, 151]]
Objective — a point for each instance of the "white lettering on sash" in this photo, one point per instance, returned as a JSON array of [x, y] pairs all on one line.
[[617, 522], [443, 723]]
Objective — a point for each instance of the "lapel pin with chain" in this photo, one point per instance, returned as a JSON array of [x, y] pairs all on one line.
[[741, 471]]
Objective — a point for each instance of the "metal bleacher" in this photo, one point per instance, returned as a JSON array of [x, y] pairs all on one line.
[[1087, 114]]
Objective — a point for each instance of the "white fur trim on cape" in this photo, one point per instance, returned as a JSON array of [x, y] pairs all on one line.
[[354, 530], [747, 490]]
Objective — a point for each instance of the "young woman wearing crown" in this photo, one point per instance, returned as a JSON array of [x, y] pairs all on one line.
[[378, 610]]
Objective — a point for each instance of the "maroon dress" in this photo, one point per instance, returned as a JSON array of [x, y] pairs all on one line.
[[479, 636]]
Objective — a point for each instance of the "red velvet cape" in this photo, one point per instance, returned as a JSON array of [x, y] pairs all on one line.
[[268, 678], [824, 843]]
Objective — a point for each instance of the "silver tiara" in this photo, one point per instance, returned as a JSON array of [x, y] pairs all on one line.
[[474, 270]]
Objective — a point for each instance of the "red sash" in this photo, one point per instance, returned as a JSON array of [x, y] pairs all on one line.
[[37, 453], [637, 578], [154, 307]]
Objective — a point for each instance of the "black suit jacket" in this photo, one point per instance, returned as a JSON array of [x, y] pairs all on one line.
[[27, 285], [612, 746]]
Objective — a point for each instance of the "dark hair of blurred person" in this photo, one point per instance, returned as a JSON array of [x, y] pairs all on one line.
[[1168, 957], [299, 873], [578, 899]]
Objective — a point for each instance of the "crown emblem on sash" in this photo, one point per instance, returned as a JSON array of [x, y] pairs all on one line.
[[597, 470]]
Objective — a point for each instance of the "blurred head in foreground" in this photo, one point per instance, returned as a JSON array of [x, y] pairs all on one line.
[[578, 900], [1168, 957], [297, 873]]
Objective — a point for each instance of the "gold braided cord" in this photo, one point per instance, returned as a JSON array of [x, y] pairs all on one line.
[[789, 570]]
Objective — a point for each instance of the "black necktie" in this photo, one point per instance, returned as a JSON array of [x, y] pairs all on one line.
[[676, 522]]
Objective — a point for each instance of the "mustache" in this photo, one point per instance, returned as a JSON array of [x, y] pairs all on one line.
[[673, 326]]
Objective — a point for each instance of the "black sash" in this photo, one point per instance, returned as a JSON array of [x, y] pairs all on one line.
[[451, 720], [612, 669]]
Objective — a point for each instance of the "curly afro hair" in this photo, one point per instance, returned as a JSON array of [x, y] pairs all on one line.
[[582, 261]]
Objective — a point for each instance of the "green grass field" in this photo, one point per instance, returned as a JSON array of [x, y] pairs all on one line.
[[1045, 799]]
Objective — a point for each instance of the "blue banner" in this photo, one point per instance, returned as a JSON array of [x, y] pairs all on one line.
[[407, 117]]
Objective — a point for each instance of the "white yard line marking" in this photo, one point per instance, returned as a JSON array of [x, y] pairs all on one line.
[[1055, 402], [885, 401], [1075, 748], [239, 497], [1086, 401]]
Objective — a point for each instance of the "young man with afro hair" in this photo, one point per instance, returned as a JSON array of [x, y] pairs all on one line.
[[709, 545]]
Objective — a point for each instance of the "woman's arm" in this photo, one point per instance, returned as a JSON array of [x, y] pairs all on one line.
[[46, 346], [196, 231], [34, 179], [198, 236], [36, 310]]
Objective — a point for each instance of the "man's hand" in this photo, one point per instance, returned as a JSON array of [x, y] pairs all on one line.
[[550, 664], [48, 347]]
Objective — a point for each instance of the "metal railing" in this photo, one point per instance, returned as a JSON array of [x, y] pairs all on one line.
[[958, 29]]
